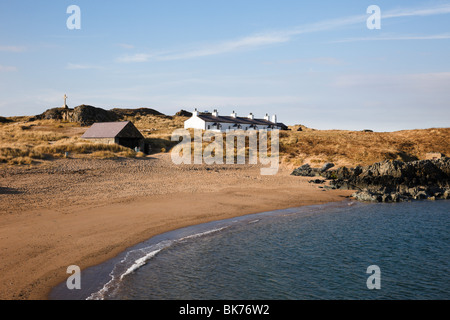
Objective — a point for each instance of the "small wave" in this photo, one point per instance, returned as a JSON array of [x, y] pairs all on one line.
[[139, 258], [201, 234], [139, 263]]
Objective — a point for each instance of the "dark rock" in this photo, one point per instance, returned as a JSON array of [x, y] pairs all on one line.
[[327, 166], [183, 113], [88, 115], [446, 195], [367, 196], [395, 197], [386, 197], [121, 113], [4, 120], [305, 171], [52, 114], [316, 181], [396, 180]]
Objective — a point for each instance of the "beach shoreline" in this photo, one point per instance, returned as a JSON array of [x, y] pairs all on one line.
[[100, 281], [86, 212]]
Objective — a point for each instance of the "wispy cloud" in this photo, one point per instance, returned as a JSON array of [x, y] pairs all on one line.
[[411, 12], [12, 48], [396, 38], [74, 66], [329, 61], [277, 37], [138, 57], [244, 43], [7, 68], [125, 45]]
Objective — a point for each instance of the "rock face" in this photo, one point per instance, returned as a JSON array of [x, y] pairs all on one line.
[[136, 112], [391, 181], [327, 166], [84, 115], [305, 171], [88, 115], [54, 113], [4, 120], [183, 113]]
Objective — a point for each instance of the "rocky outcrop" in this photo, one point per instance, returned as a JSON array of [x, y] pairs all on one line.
[[390, 181], [136, 112], [88, 115], [306, 170], [4, 120], [84, 115], [183, 113], [54, 113]]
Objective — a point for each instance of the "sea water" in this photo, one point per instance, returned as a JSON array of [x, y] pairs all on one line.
[[313, 252]]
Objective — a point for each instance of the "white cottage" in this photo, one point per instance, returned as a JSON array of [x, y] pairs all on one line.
[[214, 122]]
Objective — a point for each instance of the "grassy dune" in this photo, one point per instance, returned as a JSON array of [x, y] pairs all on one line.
[[25, 142], [355, 147]]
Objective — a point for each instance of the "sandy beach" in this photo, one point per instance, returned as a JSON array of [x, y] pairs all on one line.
[[84, 211]]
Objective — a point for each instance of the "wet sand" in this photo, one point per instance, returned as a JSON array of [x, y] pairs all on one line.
[[85, 212]]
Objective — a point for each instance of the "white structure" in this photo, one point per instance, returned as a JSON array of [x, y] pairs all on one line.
[[214, 122]]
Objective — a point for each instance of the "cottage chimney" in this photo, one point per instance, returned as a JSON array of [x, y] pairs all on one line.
[[195, 113], [266, 117], [215, 113], [251, 116], [234, 114], [274, 118]]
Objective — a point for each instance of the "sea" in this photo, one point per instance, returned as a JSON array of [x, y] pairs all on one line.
[[337, 251]]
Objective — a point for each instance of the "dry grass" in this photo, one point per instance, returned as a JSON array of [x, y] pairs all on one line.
[[361, 148], [25, 142]]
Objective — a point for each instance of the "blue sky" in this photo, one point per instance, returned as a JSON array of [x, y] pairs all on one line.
[[311, 62]]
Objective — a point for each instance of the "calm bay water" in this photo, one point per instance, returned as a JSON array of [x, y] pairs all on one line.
[[315, 252]]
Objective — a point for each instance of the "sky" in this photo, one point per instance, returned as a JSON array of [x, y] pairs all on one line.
[[315, 63]]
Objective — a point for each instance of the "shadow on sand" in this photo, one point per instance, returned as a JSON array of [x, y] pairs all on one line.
[[5, 190]]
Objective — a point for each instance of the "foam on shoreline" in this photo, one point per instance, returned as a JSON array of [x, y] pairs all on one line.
[[103, 280]]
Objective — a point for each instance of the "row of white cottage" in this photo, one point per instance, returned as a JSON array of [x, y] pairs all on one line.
[[214, 122]]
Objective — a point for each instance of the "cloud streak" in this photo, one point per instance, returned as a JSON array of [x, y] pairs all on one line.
[[417, 12], [7, 68], [396, 38], [74, 66], [278, 37], [138, 57], [245, 43], [12, 49]]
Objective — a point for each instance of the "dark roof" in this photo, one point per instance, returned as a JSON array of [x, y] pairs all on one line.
[[227, 119], [124, 129], [282, 125]]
